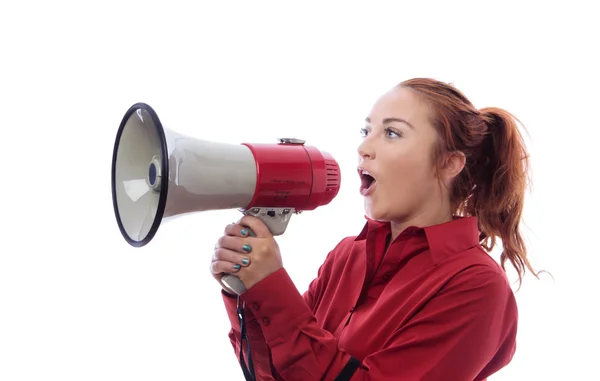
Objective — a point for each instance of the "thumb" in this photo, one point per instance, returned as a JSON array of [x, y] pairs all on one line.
[[258, 227]]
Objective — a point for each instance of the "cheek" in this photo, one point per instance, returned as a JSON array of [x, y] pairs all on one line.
[[413, 172]]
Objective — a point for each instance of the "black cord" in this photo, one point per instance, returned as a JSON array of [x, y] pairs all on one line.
[[247, 369]]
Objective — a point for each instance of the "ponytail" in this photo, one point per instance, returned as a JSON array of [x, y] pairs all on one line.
[[500, 181]]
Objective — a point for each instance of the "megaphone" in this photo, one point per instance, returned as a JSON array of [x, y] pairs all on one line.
[[158, 174]]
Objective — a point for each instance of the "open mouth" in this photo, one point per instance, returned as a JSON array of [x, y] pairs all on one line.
[[367, 181]]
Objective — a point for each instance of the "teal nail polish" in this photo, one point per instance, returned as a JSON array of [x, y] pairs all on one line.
[[246, 248], [237, 266], [245, 261], [244, 232]]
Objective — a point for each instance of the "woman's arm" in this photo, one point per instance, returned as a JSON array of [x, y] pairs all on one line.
[[261, 353]]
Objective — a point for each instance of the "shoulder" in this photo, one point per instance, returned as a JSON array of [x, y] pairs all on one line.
[[474, 274], [483, 284], [473, 262], [332, 267], [341, 254], [343, 249], [482, 275]]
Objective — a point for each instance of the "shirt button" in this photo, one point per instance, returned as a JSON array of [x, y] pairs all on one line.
[[265, 321], [255, 306]]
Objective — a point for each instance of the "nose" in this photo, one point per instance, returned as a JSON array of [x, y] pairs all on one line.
[[366, 149]]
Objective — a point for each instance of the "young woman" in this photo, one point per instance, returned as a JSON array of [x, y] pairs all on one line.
[[415, 295]]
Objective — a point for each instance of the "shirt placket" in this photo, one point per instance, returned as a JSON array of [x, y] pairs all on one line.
[[388, 267]]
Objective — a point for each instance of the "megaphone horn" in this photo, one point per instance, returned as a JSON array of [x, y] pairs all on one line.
[[158, 174]]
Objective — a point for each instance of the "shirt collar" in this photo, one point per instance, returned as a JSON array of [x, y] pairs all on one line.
[[444, 239], [370, 226], [452, 237]]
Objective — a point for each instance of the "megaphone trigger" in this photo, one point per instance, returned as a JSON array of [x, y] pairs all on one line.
[[276, 219]]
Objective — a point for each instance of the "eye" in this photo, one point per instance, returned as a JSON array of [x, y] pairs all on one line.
[[390, 133], [364, 132]]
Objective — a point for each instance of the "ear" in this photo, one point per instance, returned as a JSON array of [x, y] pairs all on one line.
[[453, 164]]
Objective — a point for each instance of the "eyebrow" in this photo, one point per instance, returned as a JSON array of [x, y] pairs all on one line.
[[389, 120]]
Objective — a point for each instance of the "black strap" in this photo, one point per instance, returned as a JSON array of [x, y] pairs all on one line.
[[247, 369], [348, 370]]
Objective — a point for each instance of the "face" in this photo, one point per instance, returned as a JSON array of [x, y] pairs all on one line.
[[397, 151]]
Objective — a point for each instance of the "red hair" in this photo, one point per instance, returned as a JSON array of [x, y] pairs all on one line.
[[493, 182]]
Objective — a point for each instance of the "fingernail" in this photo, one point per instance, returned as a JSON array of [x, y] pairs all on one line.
[[246, 248], [245, 261], [244, 232], [237, 266]]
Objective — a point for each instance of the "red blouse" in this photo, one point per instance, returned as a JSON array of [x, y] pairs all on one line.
[[437, 308]]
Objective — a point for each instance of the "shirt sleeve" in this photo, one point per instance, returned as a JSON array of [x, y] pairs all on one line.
[[465, 333], [261, 353]]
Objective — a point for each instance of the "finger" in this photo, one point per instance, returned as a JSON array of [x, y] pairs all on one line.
[[232, 257], [239, 230], [223, 267], [255, 224], [238, 244]]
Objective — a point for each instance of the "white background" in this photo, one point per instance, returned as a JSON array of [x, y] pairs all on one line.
[[77, 303]]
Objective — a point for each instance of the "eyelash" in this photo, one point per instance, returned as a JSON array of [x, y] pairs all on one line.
[[364, 132]]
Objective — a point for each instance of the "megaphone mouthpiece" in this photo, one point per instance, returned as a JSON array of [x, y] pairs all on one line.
[[158, 174]]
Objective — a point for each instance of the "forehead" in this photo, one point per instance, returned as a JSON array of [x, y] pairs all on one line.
[[400, 102]]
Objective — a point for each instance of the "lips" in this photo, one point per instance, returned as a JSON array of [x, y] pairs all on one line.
[[367, 182]]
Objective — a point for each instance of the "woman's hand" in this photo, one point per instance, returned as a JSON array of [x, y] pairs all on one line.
[[251, 259]]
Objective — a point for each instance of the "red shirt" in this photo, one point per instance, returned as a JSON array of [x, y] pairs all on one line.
[[437, 308]]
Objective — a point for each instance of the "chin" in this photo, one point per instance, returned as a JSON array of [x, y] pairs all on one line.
[[377, 214]]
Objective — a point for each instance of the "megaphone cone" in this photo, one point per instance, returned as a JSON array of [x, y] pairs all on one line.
[[158, 174]]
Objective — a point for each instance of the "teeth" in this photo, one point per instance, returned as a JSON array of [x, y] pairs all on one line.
[[366, 173]]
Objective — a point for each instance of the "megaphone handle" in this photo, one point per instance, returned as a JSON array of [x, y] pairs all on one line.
[[233, 282]]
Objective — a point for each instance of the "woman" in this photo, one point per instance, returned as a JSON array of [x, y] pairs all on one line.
[[414, 296]]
